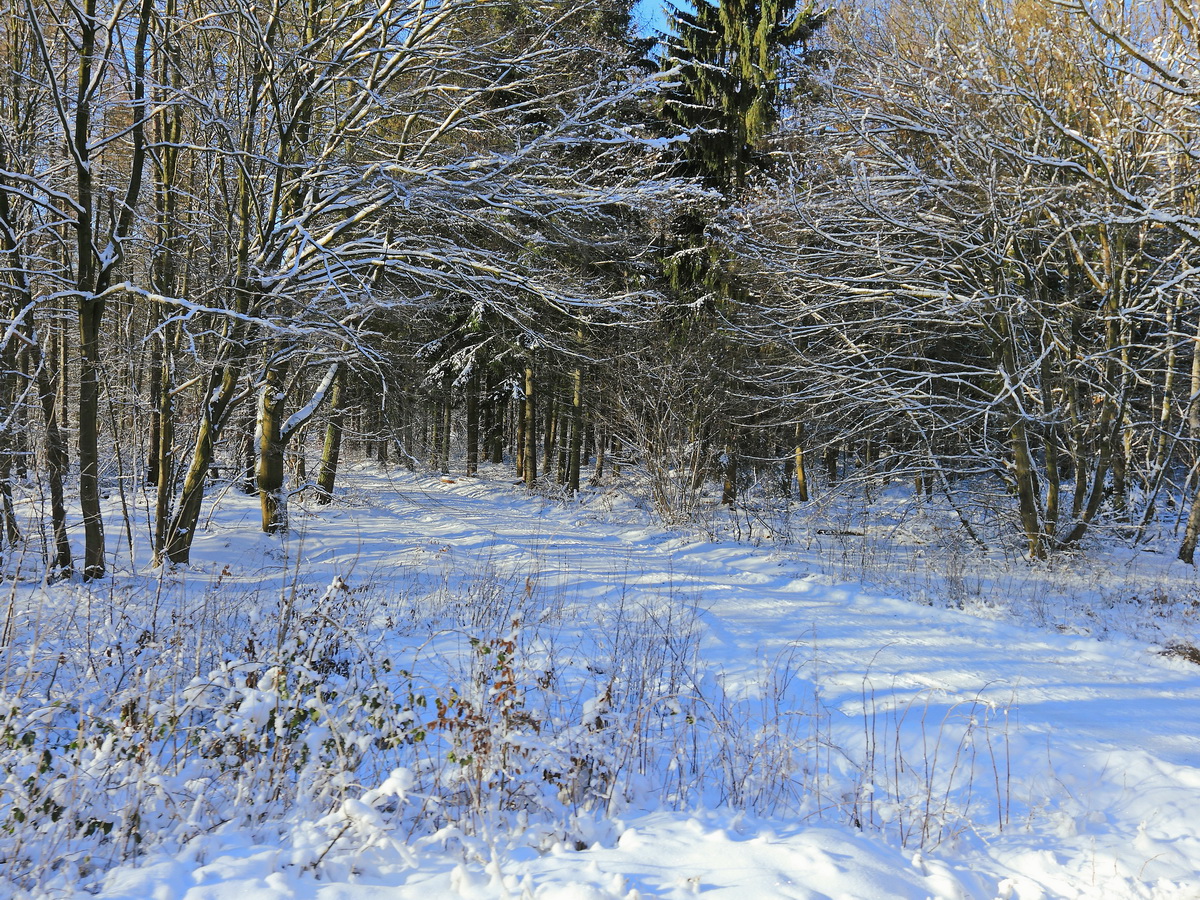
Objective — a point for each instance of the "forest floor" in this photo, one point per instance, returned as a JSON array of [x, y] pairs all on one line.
[[453, 688]]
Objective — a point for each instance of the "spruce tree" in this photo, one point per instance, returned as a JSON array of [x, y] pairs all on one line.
[[732, 60]]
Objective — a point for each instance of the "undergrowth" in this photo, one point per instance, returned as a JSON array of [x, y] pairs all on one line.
[[478, 710]]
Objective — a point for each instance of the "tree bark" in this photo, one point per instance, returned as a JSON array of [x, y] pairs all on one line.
[[272, 499], [472, 413], [94, 270], [729, 486], [575, 460], [330, 452], [530, 459], [447, 420], [163, 447], [1187, 549], [218, 404], [801, 473]]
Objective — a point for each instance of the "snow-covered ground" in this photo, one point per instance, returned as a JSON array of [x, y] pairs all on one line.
[[451, 688]]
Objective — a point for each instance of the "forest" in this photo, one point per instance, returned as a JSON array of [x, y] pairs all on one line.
[[778, 248], [475, 448]]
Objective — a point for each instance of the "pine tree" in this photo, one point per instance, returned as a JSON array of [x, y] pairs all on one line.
[[732, 60], [732, 63]]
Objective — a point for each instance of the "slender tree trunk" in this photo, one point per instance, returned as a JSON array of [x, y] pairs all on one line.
[[249, 451], [598, 470], [447, 421], [295, 453], [1079, 445], [91, 309], [1108, 428], [1163, 447], [1193, 410], [406, 432], [45, 386], [1053, 466], [9, 397], [156, 394], [729, 487], [332, 449], [549, 427], [270, 453], [562, 438], [576, 450], [499, 409], [274, 437], [1187, 550], [93, 271], [530, 460], [57, 460], [522, 416], [163, 447], [1027, 489], [801, 473], [831, 463], [217, 405], [60, 361], [700, 451], [472, 412], [1024, 472], [12, 529]]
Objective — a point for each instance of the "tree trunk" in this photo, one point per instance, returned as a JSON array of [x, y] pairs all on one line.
[[57, 460], [332, 449], [522, 416], [47, 394], [270, 453], [217, 405], [274, 436], [406, 432], [447, 421], [472, 412], [831, 463], [156, 394], [1187, 550], [729, 486], [249, 453], [575, 457], [598, 471], [549, 427], [94, 270], [1053, 466], [91, 311], [562, 438], [163, 448], [798, 462], [9, 395], [530, 463], [1027, 488], [1193, 411], [499, 408]]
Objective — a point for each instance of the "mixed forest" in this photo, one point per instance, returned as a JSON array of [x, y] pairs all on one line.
[[777, 248], [482, 448]]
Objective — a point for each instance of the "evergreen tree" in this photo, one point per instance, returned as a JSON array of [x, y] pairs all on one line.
[[732, 62], [732, 59]]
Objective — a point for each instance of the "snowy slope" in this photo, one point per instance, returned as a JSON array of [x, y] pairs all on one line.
[[854, 745]]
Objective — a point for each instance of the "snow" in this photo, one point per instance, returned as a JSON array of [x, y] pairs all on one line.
[[726, 720]]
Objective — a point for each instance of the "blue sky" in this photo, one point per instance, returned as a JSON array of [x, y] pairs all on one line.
[[650, 16]]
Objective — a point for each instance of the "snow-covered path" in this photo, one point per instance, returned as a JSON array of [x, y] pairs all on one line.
[[1094, 746], [756, 603]]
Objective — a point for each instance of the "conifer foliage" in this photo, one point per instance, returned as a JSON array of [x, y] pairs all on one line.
[[732, 59]]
